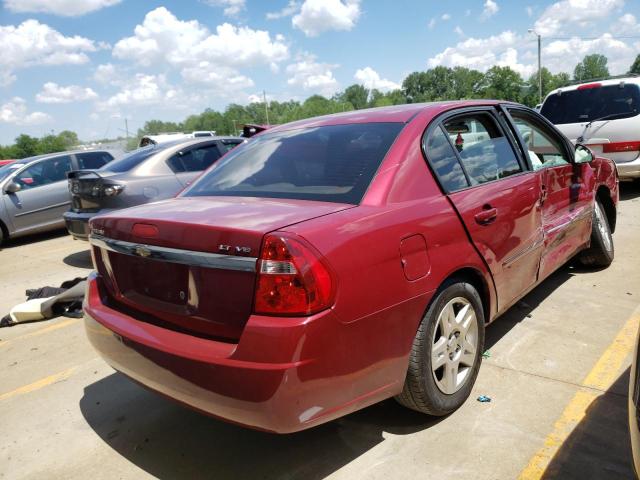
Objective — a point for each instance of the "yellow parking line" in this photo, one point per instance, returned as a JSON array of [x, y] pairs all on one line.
[[50, 328], [39, 384], [598, 380]]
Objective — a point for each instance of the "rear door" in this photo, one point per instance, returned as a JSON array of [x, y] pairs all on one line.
[[568, 194], [188, 164], [43, 197], [495, 194]]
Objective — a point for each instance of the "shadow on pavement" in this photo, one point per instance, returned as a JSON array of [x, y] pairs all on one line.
[[169, 441], [629, 190], [79, 260], [33, 238], [599, 447], [521, 311]]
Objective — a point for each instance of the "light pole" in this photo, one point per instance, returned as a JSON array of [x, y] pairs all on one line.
[[531, 30]]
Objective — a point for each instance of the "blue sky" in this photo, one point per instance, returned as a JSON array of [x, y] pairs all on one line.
[[86, 65]]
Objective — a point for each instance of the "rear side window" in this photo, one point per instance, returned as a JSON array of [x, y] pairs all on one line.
[[484, 151], [589, 104], [135, 158], [333, 163], [445, 162], [194, 160], [227, 145], [93, 160]]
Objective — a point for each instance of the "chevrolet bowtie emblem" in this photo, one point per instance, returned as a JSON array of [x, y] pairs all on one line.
[[142, 251]]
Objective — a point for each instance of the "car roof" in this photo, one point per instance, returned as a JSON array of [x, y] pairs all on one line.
[[391, 114], [57, 154]]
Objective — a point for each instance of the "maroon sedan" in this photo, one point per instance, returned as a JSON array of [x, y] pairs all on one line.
[[334, 262]]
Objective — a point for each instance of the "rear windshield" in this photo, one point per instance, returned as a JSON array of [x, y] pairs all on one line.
[[586, 105], [135, 158], [332, 163]]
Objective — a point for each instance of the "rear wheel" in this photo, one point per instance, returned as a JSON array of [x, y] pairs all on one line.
[[446, 353], [601, 251]]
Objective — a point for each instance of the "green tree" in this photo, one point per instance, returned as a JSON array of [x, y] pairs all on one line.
[[502, 83], [25, 146], [592, 66], [69, 139], [466, 83], [635, 67], [414, 87], [51, 144], [357, 96]]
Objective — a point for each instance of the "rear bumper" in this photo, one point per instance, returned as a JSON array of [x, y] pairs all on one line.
[[629, 170], [77, 223], [283, 375]]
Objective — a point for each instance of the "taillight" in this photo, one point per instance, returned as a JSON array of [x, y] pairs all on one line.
[[292, 280]]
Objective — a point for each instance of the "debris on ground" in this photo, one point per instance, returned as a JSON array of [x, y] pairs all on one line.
[[48, 302], [486, 354], [484, 399]]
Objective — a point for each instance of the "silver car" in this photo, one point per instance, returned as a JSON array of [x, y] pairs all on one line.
[[147, 174], [34, 190]]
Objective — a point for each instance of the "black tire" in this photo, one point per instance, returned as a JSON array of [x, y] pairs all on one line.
[[421, 391], [599, 254]]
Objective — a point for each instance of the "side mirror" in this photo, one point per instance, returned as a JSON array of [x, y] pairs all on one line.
[[583, 154], [12, 187]]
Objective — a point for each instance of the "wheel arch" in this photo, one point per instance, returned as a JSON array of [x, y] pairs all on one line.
[[477, 280], [604, 195], [4, 230]]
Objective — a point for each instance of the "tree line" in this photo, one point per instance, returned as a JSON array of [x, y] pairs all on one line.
[[439, 83]]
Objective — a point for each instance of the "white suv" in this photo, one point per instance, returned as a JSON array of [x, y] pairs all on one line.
[[603, 115]]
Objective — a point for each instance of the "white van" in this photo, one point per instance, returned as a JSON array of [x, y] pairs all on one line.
[[602, 115]]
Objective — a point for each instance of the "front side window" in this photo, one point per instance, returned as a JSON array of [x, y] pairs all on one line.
[[194, 160], [333, 163], [44, 173], [484, 151], [543, 148]]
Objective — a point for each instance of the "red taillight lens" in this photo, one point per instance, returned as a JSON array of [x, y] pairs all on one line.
[[616, 147], [292, 280]]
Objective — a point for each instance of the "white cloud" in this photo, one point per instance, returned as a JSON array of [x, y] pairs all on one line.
[[33, 43], [317, 16], [231, 7], [15, 112], [529, 11], [107, 74], [563, 55], [446, 16], [371, 79], [54, 93], [162, 37], [626, 25], [313, 76], [216, 77], [483, 53], [458, 30], [65, 8], [490, 9], [559, 16], [292, 7], [431, 24], [141, 90]]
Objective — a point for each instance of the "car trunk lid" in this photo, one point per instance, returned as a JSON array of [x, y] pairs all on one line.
[[189, 264]]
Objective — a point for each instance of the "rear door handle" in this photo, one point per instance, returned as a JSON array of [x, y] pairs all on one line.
[[487, 215]]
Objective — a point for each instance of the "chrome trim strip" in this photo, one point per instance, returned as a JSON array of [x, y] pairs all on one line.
[[175, 255], [43, 209]]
